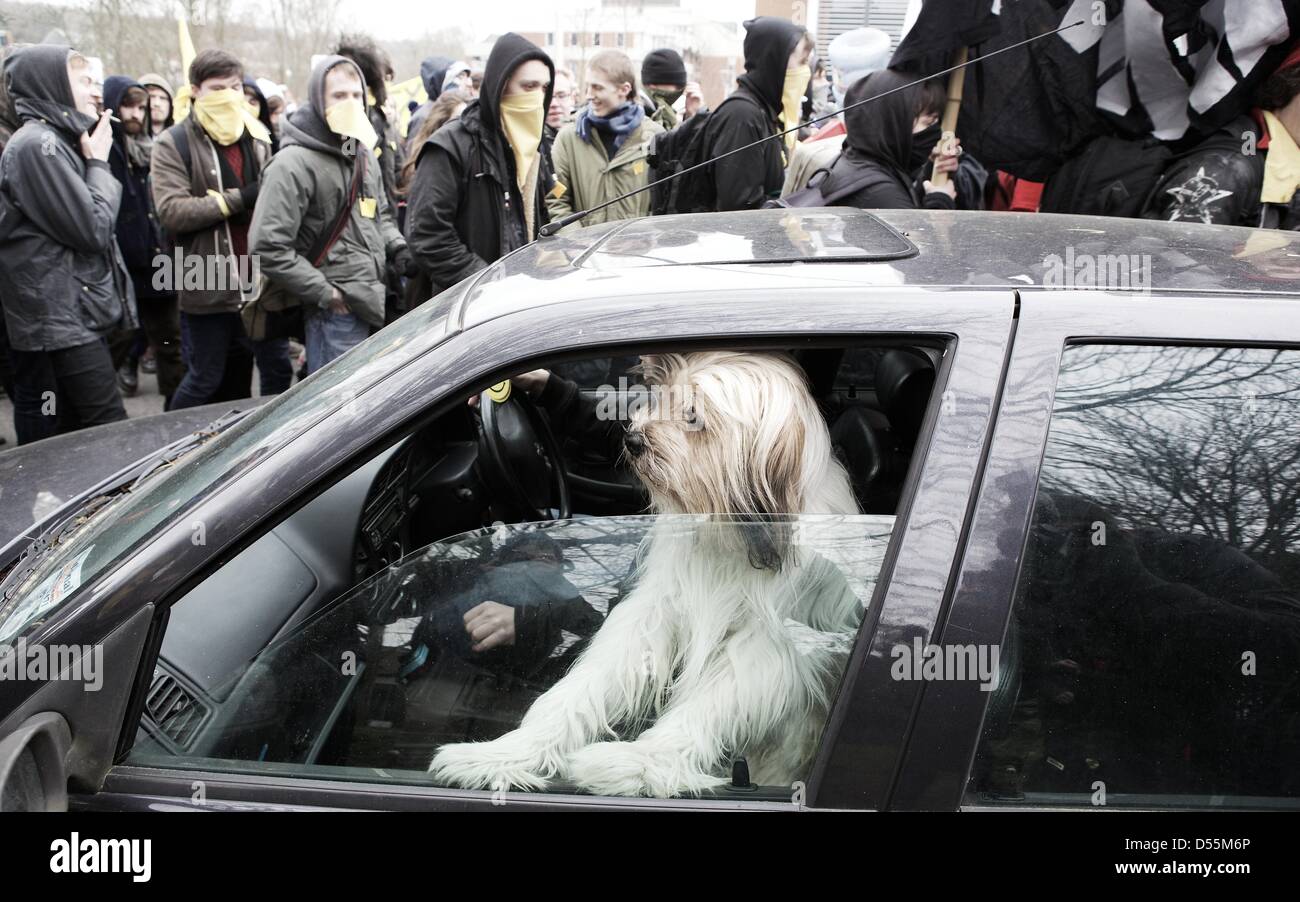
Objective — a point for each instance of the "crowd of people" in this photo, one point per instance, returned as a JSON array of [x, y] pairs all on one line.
[[243, 229]]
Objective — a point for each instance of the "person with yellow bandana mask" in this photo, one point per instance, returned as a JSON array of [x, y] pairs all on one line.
[[323, 231], [481, 181], [1248, 172], [206, 171], [768, 99]]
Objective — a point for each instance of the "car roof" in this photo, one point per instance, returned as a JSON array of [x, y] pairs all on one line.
[[886, 248]]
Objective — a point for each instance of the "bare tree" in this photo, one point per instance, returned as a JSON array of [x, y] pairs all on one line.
[[1186, 440]]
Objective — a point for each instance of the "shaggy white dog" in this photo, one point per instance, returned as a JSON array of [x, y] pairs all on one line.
[[719, 649]]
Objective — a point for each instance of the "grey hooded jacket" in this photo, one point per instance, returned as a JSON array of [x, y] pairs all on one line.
[[62, 279], [304, 187]]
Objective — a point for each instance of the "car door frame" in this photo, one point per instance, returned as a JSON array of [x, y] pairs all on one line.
[[942, 746], [857, 762]]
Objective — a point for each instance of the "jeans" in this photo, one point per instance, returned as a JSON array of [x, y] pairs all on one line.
[[219, 357], [330, 335], [274, 370], [59, 391]]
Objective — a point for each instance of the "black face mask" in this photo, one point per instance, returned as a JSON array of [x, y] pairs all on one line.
[[922, 143], [667, 97]]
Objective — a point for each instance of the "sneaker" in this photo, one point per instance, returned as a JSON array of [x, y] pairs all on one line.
[[149, 363], [128, 380]]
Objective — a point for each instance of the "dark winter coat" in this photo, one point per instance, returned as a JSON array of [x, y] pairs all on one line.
[[464, 209], [62, 279], [744, 181], [878, 148], [138, 234], [1218, 182], [303, 189]]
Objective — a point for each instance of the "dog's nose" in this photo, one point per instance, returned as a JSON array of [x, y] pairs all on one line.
[[635, 443]]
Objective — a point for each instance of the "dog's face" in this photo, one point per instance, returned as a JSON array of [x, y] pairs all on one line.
[[723, 433]]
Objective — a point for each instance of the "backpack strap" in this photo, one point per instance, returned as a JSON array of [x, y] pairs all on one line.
[[181, 139], [326, 239]]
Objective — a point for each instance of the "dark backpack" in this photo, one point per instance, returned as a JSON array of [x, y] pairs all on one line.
[[1110, 177], [812, 196], [681, 148]]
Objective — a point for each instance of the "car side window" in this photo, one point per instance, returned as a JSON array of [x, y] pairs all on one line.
[[1154, 648], [453, 646]]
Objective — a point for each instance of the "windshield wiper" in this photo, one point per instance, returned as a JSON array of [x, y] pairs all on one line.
[[123, 484]]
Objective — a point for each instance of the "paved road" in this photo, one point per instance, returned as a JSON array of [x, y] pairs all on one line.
[[146, 401]]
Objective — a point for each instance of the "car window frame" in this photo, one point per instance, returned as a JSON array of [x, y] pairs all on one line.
[[977, 321], [943, 744]]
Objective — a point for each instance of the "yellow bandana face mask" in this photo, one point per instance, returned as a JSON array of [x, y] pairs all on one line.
[[522, 117], [796, 84], [225, 116], [348, 118]]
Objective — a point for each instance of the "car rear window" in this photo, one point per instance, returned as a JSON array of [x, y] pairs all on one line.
[[1154, 646]]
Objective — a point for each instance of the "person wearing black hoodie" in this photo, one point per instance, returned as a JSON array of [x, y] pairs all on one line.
[[138, 234], [756, 109], [481, 180], [878, 147], [63, 283], [433, 70]]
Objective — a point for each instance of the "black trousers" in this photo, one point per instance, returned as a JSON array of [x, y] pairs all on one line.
[[59, 391], [160, 320]]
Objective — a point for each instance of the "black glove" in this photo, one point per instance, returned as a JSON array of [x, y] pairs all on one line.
[[404, 262], [248, 194]]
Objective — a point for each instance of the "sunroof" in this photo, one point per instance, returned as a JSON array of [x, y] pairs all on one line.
[[756, 236]]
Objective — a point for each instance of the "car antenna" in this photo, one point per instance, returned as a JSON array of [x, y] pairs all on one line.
[[551, 228]]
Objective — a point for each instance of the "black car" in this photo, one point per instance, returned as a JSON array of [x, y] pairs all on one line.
[[1075, 443]]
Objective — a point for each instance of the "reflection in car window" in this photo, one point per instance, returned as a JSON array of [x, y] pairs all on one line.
[[1156, 626], [119, 525], [374, 686]]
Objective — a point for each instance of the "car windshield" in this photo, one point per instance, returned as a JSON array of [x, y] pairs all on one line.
[[114, 529]]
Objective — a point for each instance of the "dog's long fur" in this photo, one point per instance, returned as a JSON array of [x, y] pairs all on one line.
[[702, 661]]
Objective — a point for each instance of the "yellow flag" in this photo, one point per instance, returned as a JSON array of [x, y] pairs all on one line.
[[181, 102], [402, 93]]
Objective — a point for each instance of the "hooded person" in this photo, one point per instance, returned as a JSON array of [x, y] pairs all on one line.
[[1248, 172], [263, 110], [326, 167], [768, 99], [162, 102], [390, 153], [878, 150], [138, 235], [481, 181], [9, 123], [205, 175], [853, 56], [63, 283], [433, 69]]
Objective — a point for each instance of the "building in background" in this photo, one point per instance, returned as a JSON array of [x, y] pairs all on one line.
[[711, 48], [834, 17]]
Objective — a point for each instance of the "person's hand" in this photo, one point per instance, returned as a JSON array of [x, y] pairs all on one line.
[[490, 625], [337, 305], [945, 155], [97, 144], [404, 262], [694, 99], [946, 188], [533, 382]]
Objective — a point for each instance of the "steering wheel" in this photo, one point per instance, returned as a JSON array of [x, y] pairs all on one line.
[[519, 454]]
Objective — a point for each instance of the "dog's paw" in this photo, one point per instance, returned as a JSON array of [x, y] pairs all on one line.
[[497, 765], [632, 769]]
